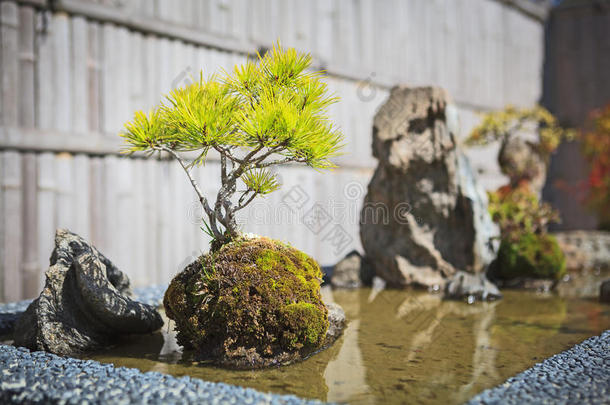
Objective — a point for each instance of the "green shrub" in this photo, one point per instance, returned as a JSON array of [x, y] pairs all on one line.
[[530, 255]]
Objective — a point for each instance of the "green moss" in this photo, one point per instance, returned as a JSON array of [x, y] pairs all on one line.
[[253, 293], [307, 325], [532, 255]]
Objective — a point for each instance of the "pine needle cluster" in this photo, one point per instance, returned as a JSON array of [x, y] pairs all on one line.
[[263, 113], [511, 121]]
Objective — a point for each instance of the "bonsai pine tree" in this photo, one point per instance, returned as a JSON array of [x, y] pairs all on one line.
[[249, 302], [504, 124], [526, 249], [521, 160], [257, 116]]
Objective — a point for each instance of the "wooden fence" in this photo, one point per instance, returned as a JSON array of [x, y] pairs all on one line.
[[73, 71]]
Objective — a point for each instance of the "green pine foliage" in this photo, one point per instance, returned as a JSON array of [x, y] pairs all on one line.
[[503, 124], [259, 115]]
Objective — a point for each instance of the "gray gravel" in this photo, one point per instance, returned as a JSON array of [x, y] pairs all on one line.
[[9, 313], [152, 295], [43, 378], [580, 375]]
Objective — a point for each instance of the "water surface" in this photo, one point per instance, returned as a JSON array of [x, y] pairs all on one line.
[[402, 347]]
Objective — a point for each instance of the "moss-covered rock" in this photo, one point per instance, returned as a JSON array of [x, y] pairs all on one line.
[[251, 303], [532, 255]]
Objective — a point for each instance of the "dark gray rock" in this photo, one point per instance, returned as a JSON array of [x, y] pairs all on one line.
[[353, 271], [471, 287], [10, 312], [424, 216], [604, 291], [84, 304]]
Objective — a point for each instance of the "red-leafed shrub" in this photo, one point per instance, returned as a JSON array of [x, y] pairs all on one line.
[[596, 146]]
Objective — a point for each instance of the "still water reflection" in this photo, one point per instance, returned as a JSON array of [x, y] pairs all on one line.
[[403, 347]]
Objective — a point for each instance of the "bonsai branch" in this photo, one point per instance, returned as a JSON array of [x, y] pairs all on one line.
[[202, 200]]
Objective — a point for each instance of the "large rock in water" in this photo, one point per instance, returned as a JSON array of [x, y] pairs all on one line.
[[424, 217], [353, 271], [84, 305]]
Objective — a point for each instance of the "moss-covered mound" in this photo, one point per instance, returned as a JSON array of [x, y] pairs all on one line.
[[531, 256], [251, 303]]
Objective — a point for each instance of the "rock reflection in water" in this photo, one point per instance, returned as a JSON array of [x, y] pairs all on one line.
[[418, 348], [402, 347], [345, 374]]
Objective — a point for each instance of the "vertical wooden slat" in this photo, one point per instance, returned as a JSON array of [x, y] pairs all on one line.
[[195, 14], [151, 72], [136, 87], [204, 15], [186, 12], [139, 224], [110, 208], [125, 73], [257, 22], [96, 199], [151, 215], [367, 35], [123, 230], [29, 265], [180, 66], [62, 69], [451, 27], [273, 21], [164, 227], [178, 214], [94, 62], [165, 74], [12, 204], [109, 78], [64, 169], [286, 26], [239, 18], [200, 239], [217, 14], [148, 8], [45, 88], [26, 67], [324, 44], [46, 211], [79, 78], [81, 193], [9, 36]]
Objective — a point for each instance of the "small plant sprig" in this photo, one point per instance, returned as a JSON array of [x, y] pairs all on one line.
[[503, 124], [259, 115]]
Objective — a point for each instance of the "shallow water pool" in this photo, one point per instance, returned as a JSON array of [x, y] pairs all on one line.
[[402, 347]]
